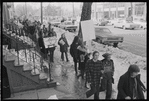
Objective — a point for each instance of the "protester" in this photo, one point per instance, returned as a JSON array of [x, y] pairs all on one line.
[[74, 52], [51, 49], [53, 32], [87, 57], [63, 47], [94, 71], [41, 44], [130, 85], [108, 66], [44, 29], [82, 52]]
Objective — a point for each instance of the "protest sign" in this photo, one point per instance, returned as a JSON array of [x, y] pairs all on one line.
[[88, 30], [50, 42]]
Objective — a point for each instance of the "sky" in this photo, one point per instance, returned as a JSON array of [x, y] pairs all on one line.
[[64, 5]]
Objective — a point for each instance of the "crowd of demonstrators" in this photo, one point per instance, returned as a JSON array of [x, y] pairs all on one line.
[[99, 74], [62, 42]]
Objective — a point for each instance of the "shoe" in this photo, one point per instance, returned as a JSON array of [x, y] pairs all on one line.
[[67, 60]]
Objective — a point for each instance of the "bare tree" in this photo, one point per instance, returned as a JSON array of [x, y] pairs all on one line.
[[86, 15]]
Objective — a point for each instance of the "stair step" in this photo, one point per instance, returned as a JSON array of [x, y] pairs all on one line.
[[35, 72], [27, 66], [51, 84], [43, 76], [10, 57], [21, 62]]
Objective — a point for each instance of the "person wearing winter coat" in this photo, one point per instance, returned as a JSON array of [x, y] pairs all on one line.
[[82, 52], [74, 52], [51, 49], [63, 47], [41, 44], [108, 66], [130, 85], [94, 70]]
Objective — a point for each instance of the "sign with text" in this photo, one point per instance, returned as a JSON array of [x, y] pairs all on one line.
[[88, 30], [50, 42]]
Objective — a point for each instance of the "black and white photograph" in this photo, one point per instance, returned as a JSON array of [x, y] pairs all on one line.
[[73, 50]]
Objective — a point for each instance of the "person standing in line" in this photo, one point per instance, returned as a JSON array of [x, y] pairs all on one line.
[[51, 49], [107, 80], [94, 70], [82, 52], [74, 52], [63, 47], [41, 44], [87, 57], [130, 85]]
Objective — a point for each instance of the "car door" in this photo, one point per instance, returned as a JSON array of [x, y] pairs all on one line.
[[117, 23]]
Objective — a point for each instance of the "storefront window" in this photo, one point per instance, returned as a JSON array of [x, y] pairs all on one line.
[[139, 10]]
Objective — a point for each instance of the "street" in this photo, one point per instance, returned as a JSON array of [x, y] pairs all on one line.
[[134, 40]]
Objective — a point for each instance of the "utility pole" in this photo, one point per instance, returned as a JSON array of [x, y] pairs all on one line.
[[41, 14], [73, 10], [26, 8]]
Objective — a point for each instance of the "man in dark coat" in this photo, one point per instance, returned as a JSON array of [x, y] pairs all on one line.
[[41, 44], [73, 52], [63, 47], [130, 85]]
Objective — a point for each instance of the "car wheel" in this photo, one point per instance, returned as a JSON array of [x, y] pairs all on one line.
[[115, 44], [124, 27], [98, 40]]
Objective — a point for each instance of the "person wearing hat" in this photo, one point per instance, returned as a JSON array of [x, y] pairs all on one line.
[[106, 82], [130, 85]]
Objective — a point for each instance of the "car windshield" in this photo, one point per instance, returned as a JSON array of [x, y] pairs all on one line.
[[102, 30], [68, 23], [129, 21]]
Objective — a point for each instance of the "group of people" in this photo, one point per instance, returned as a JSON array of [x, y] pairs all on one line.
[[99, 74]]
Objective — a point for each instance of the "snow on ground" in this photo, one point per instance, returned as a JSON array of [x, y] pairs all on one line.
[[121, 58]]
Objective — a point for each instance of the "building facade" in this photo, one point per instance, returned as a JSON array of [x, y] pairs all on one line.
[[140, 10], [8, 11], [119, 10]]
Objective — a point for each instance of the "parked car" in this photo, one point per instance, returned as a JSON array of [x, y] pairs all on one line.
[[68, 25], [142, 23], [102, 22], [126, 24], [55, 24], [105, 36], [112, 21]]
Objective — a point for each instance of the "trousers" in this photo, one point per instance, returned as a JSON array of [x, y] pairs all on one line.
[[62, 56], [94, 90]]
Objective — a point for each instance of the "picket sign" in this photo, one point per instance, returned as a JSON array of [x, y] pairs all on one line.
[[50, 42], [88, 33]]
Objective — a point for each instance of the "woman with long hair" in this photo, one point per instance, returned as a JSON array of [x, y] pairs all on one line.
[[74, 51]]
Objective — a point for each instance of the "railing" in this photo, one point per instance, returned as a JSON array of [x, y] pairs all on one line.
[[31, 54]]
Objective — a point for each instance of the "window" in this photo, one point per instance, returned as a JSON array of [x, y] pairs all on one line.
[[102, 30], [139, 10]]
